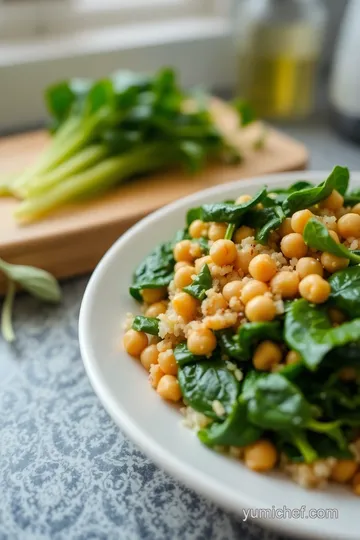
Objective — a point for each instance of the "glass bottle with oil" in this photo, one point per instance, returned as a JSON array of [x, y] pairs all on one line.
[[278, 49]]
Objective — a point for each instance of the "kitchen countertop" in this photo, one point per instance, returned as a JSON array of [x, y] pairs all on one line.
[[66, 471]]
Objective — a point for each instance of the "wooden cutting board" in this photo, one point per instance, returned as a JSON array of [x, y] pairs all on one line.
[[72, 241]]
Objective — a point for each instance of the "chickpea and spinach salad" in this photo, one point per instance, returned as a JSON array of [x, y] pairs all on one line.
[[251, 320]]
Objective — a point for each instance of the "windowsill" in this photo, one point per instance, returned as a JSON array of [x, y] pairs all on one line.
[[197, 47], [111, 38]]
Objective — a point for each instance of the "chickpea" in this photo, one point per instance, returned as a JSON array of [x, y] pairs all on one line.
[[153, 295], [185, 305], [293, 245], [308, 265], [183, 277], [231, 289], [243, 199], [253, 288], [198, 229], [217, 231], [356, 484], [336, 316], [169, 388], [292, 357], [260, 308], [199, 263], [155, 375], [285, 228], [349, 225], [267, 355], [135, 342], [260, 456], [201, 341], [182, 251], [180, 264], [262, 267], [314, 289], [356, 209], [334, 236], [243, 232], [286, 284], [149, 356], [243, 259], [156, 309], [223, 252], [167, 362], [215, 303], [343, 470], [334, 201], [300, 219], [332, 263]]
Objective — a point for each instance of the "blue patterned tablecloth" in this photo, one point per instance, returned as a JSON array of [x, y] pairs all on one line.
[[66, 470]]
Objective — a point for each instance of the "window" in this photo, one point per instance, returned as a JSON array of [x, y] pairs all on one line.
[[42, 41]]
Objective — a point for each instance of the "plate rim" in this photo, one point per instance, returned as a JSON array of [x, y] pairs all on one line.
[[181, 470]]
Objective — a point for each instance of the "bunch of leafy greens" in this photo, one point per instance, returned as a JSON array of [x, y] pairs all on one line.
[[110, 130], [35, 281], [306, 408]]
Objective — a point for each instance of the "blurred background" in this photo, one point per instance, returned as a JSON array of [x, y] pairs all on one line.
[[293, 59]]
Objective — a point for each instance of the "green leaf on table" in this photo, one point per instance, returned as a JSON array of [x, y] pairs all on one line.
[[305, 198], [345, 290], [157, 270], [201, 283], [235, 431], [308, 330], [205, 382], [245, 111], [149, 325], [37, 282], [317, 236]]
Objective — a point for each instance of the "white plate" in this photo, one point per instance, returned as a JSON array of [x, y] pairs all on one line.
[[122, 386]]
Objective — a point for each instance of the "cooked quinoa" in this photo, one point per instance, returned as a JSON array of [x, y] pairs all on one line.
[[251, 320]]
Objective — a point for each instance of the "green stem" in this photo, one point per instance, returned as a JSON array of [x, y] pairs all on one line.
[[102, 176], [83, 160], [6, 315], [229, 231], [307, 451]]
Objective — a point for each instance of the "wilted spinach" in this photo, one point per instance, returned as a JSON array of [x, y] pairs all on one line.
[[345, 290], [205, 382], [317, 236], [149, 325], [201, 284], [155, 271]]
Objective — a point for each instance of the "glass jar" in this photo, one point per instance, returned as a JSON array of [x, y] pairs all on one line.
[[278, 46]]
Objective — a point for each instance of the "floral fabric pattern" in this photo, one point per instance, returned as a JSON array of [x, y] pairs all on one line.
[[66, 470]]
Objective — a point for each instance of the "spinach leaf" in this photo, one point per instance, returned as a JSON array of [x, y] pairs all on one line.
[[317, 236], [183, 356], [301, 447], [352, 198], [230, 345], [251, 333], [308, 331], [276, 218], [224, 212], [275, 403], [149, 325], [338, 179], [155, 271], [245, 111], [345, 290], [200, 284], [35, 281], [235, 431], [204, 382]]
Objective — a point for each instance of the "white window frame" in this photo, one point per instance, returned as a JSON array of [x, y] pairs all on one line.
[[42, 41]]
